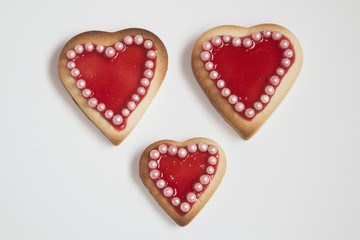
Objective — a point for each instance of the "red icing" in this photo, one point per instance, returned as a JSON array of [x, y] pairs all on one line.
[[182, 174], [246, 72], [113, 80]]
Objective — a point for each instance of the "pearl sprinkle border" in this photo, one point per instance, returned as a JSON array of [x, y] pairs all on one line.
[[182, 152], [111, 52], [247, 43]]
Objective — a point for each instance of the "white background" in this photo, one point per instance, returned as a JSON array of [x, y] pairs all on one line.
[[297, 178]]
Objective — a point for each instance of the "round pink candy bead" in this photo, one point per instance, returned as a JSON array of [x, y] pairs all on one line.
[[125, 112], [220, 83], [148, 44], [131, 105], [233, 99], [172, 150], [284, 44], [247, 42], [209, 66], [110, 52], [239, 107], [198, 187], [205, 179], [100, 48], [236, 42], [71, 65], [141, 91], [286, 62], [71, 54], [138, 40], [162, 149], [89, 47], [182, 153], [210, 170], [109, 114], [191, 197], [75, 72], [149, 64], [119, 46], [280, 71], [212, 160], [256, 36], [226, 39], [148, 73], [205, 56], [151, 54], [101, 107], [288, 53], [258, 105], [79, 49], [214, 75], [274, 80], [192, 148], [216, 41], [207, 46], [265, 98], [152, 164], [117, 119], [86, 93], [81, 84], [212, 149], [276, 35], [176, 201], [203, 147], [185, 207], [154, 174], [249, 113], [269, 90], [128, 40], [267, 33], [154, 154], [168, 192], [225, 92], [145, 82], [92, 102], [135, 97], [161, 183]]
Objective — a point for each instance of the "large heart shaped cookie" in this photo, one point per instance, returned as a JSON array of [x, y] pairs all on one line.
[[113, 76], [246, 72], [182, 176]]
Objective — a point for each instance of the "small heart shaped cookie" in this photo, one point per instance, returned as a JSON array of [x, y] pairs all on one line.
[[113, 76], [246, 72], [182, 176]]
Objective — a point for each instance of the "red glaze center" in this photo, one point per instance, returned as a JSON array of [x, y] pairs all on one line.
[[113, 80], [182, 174], [246, 71]]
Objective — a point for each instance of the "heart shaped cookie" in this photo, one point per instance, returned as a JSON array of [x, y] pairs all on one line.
[[246, 72], [113, 76], [182, 176]]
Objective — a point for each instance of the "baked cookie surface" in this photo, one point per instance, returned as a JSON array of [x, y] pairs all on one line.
[[246, 72], [182, 176], [113, 76]]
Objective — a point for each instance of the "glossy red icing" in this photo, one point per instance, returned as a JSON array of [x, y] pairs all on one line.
[[113, 80], [182, 174], [246, 72]]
